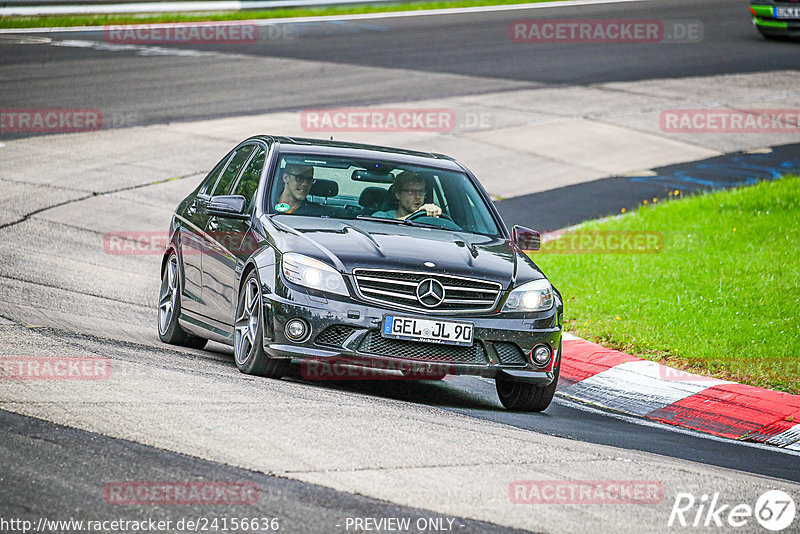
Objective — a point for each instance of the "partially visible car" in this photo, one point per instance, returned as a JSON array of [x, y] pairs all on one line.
[[340, 280], [776, 18]]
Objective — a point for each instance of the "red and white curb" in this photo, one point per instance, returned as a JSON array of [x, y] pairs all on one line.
[[593, 374]]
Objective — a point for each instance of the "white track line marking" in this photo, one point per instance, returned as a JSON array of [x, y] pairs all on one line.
[[140, 50]]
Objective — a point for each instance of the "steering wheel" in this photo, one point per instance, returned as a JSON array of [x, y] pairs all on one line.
[[444, 221], [423, 213]]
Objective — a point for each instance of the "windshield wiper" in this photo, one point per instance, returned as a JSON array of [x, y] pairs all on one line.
[[405, 222], [380, 219]]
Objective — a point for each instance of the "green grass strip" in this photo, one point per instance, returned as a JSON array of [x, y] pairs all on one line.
[[721, 298], [103, 20]]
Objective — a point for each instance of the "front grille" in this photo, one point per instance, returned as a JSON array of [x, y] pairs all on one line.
[[376, 344], [509, 353], [399, 288], [334, 336]]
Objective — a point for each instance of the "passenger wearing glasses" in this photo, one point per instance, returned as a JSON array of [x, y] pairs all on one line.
[[297, 180], [409, 195]]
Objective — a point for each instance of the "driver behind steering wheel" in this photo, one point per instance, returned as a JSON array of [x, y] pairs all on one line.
[[409, 195]]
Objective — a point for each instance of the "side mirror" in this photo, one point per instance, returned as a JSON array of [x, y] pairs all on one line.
[[229, 206], [525, 238]]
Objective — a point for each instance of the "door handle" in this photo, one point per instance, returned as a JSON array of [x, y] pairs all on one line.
[[192, 209], [213, 224]]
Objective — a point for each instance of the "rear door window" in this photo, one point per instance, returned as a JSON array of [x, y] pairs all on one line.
[[211, 178], [248, 183], [232, 170]]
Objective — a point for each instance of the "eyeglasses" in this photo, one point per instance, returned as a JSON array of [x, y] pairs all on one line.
[[414, 192], [301, 178]]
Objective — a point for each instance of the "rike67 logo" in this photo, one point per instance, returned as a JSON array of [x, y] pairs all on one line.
[[774, 510]]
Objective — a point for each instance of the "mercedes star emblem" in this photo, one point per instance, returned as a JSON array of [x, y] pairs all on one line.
[[430, 293]]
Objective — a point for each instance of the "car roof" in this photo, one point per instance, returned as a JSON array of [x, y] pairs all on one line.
[[360, 150]]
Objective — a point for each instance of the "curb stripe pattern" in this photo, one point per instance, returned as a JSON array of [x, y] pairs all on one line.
[[614, 380], [730, 410], [634, 387], [595, 359], [780, 433]]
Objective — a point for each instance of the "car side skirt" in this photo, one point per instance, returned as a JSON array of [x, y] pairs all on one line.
[[202, 326]]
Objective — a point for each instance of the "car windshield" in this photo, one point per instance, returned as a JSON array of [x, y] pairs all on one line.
[[382, 191]]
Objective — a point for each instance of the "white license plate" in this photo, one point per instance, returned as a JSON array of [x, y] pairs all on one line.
[[427, 330], [787, 13]]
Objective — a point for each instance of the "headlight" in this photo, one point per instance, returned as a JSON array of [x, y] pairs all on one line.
[[308, 272], [533, 296]]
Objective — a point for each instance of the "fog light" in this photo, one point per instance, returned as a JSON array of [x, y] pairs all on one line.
[[540, 355], [296, 329]]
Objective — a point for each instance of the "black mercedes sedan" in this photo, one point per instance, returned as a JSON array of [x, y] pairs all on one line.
[[337, 255]]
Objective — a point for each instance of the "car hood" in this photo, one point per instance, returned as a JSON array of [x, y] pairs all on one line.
[[352, 244]]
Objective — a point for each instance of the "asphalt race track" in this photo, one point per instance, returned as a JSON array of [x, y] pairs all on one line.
[[442, 454], [372, 61]]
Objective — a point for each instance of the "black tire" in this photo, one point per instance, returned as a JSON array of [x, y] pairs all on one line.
[[525, 397], [248, 341], [169, 309]]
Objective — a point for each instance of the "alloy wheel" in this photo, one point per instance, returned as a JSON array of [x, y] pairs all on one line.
[[169, 294], [246, 325]]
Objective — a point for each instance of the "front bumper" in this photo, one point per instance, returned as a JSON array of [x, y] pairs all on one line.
[[351, 332], [767, 23]]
